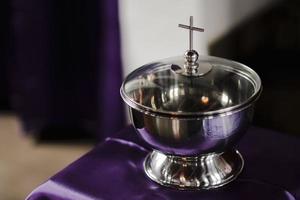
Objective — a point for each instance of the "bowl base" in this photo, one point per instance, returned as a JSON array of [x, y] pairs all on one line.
[[205, 171]]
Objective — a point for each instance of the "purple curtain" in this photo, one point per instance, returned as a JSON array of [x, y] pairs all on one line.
[[65, 71], [4, 44]]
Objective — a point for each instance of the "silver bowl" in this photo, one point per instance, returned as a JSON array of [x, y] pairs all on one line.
[[192, 122]]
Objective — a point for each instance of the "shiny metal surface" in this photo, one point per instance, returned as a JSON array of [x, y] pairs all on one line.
[[156, 88], [191, 67], [186, 116], [205, 171], [192, 136], [192, 110]]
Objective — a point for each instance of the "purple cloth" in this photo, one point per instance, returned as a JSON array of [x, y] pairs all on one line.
[[113, 170], [66, 66]]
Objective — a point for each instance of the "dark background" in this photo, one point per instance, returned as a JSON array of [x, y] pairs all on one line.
[[60, 67], [270, 44]]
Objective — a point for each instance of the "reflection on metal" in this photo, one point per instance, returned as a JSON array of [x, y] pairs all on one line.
[[204, 100], [200, 172], [191, 118]]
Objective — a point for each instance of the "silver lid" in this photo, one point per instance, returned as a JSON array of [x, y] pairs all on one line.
[[191, 85]]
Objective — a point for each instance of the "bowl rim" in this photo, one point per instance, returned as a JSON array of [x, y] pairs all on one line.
[[247, 73]]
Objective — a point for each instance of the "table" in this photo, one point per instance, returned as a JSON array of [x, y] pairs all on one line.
[[113, 170]]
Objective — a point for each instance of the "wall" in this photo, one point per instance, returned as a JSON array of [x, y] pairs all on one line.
[[149, 28]]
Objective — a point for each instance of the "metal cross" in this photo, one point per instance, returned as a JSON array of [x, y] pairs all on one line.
[[191, 28]]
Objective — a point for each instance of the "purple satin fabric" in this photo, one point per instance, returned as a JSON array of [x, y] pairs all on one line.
[[114, 170]]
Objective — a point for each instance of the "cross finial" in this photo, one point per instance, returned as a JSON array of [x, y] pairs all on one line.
[[191, 28]]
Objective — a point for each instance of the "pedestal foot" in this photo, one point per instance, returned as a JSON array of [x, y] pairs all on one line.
[[205, 171]]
